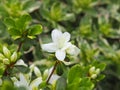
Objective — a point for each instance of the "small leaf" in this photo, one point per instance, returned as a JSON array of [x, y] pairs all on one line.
[[75, 72], [22, 22], [9, 22], [35, 30], [14, 32], [59, 69], [30, 6], [61, 84], [31, 37]]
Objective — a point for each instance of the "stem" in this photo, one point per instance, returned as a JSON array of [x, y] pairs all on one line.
[[12, 64], [19, 47], [55, 65]]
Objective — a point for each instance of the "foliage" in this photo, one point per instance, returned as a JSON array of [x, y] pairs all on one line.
[[89, 60]]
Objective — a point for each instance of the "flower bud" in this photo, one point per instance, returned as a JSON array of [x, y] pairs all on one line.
[[92, 70], [37, 72], [93, 76], [45, 74], [13, 57], [97, 71], [1, 56], [6, 61], [32, 67], [6, 52]]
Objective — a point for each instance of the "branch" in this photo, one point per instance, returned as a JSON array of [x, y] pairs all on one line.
[[56, 63]]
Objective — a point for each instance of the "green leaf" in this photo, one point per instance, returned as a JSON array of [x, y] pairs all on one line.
[[3, 11], [76, 72], [56, 12], [30, 6], [31, 37], [22, 69], [86, 84], [23, 22], [59, 69], [9, 22], [100, 77], [35, 30], [101, 66], [7, 85], [14, 32], [61, 84]]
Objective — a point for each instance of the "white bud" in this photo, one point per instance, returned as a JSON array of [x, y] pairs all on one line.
[[37, 72], [45, 74], [93, 76], [92, 70], [14, 57], [6, 52], [6, 61], [97, 71], [1, 56], [32, 67]]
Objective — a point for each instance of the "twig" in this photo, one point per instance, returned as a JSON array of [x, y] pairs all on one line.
[[19, 47], [56, 63]]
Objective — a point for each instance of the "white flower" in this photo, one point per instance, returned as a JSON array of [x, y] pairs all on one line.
[[60, 45], [25, 83]]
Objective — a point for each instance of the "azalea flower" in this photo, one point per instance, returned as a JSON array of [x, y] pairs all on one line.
[[25, 79], [23, 82], [61, 45]]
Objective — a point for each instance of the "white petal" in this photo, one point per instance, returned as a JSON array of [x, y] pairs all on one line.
[[23, 80], [50, 47], [53, 78], [56, 34], [66, 46], [37, 71], [60, 55], [36, 82], [73, 50], [21, 62], [66, 36]]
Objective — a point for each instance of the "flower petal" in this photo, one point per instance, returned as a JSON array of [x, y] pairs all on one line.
[[35, 83], [73, 50], [56, 34], [21, 62], [60, 55], [66, 36], [50, 47], [53, 78]]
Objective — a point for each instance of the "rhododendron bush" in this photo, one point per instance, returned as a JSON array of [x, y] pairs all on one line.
[[59, 45]]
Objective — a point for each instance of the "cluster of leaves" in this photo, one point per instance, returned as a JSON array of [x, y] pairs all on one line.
[[94, 28]]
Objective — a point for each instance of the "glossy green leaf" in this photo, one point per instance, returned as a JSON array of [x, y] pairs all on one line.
[[23, 22], [14, 32], [35, 30], [75, 72]]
